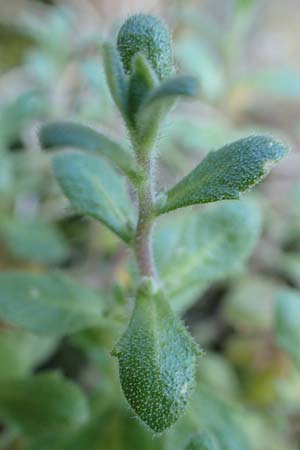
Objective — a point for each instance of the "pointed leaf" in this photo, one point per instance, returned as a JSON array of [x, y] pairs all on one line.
[[71, 134], [157, 358], [197, 249], [96, 190], [47, 304], [42, 403], [287, 322], [115, 76], [226, 173]]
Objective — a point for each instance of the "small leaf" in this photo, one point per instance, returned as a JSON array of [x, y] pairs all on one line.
[[115, 76], [96, 190], [287, 322], [47, 304], [141, 82], [157, 104], [199, 248], [225, 173], [202, 441], [34, 241], [157, 359], [42, 403], [181, 86], [75, 135]]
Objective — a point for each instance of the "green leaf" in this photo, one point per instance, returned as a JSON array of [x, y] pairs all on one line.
[[181, 86], [142, 33], [202, 441], [287, 320], [225, 173], [47, 304], [42, 403], [22, 352], [115, 76], [141, 82], [157, 359], [96, 190], [34, 241], [75, 135], [199, 248]]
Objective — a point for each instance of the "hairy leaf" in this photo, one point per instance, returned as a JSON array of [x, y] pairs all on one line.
[[181, 86], [287, 322], [96, 190], [146, 34], [47, 304], [115, 76], [157, 358], [225, 173], [199, 248], [71, 134], [42, 403]]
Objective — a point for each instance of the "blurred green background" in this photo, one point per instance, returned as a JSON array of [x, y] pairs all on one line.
[[246, 55]]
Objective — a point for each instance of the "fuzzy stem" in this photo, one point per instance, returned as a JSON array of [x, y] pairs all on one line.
[[142, 243]]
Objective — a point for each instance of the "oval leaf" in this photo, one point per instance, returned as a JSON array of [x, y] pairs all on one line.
[[42, 403], [197, 249], [225, 173], [71, 134], [96, 190], [47, 304], [157, 358], [115, 76]]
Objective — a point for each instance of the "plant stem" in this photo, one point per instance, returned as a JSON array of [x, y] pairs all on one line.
[[142, 243]]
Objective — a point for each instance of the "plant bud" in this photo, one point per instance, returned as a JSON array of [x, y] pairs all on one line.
[[148, 35]]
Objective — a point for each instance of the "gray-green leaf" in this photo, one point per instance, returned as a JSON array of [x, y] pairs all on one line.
[[47, 304], [42, 403], [157, 358], [287, 322], [225, 173], [194, 250], [96, 190], [71, 134]]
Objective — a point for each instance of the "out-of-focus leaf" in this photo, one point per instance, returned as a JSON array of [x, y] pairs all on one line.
[[42, 403], [47, 304], [225, 173], [280, 83], [202, 441], [287, 322], [95, 189], [112, 430], [157, 358], [194, 250], [21, 352], [75, 135], [250, 302], [288, 264], [34, 241], [115, 76]]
